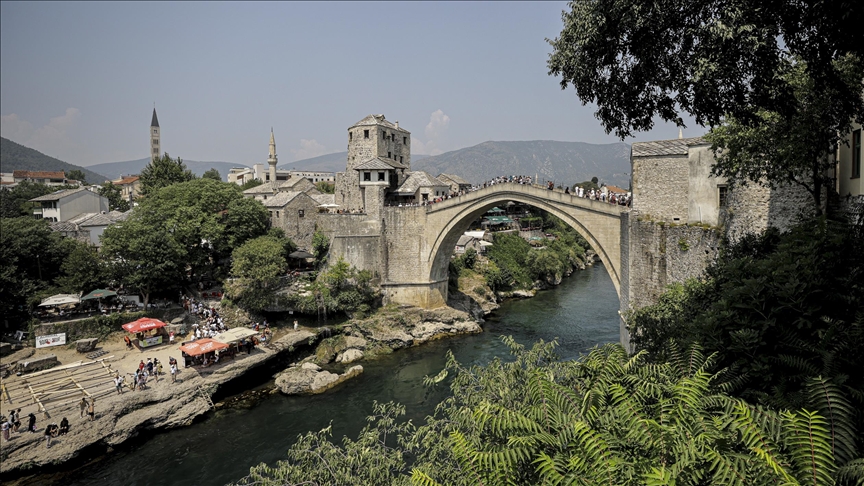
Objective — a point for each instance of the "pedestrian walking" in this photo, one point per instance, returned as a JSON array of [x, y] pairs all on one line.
[[5, 426], [295, 324], [118, 382], [91, 410], [15, 420], [31, 423], [48, 431], [173, 372], [83, 405]]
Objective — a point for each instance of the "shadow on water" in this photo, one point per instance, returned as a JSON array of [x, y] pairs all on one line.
[[581, 312]]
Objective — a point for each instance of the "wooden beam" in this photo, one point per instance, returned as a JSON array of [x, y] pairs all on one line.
[[36, 400], [5, 392]]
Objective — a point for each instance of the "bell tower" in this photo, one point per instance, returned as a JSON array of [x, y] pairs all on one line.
[[155, 149]]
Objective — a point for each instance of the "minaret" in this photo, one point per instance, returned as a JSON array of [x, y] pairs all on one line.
[[155, 150], [272, 159]]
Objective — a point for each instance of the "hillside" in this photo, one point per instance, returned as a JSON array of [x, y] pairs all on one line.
[[334, 162], [562, 162], [130, 167], [14, 156]]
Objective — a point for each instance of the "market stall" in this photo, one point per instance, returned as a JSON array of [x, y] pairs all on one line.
[[148, 331], [233, 338], [201, 352]]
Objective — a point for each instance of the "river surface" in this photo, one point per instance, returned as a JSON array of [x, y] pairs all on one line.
[[581, 312]]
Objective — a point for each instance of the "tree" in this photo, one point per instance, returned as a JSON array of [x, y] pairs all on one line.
[[115, 199], [83, 270], [320, 246], [15, 201], [77, 175], [638, 59], [793, 149], [143, 256], [250, 184], [326, 187], [212, 174], [162, 172], [256, 267]]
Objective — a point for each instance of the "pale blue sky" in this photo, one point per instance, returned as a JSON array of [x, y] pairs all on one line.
[[79, 79]]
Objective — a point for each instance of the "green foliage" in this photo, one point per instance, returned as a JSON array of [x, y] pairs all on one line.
[[588, 185], [77, 175], [115, 199], [469, 258], [31, 256], [339, 288], [325, 187], [608, 418], [250, 184], [14, 202], [83, 270], [212, 174], [509, 252], [778, 310], [163, 172], [256, 268], [683, 245], [639, 60], [143, 256], [288, 245], [320, 247], [780, 148]]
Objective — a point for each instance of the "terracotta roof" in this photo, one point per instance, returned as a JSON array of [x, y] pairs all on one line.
[[677, 146], [125, 180], [417, 180], [616, 189], [55, 196], [38, 174], [373, 120]]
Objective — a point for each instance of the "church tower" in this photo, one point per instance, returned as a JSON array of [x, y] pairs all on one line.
[[155, 150], [271, 160]]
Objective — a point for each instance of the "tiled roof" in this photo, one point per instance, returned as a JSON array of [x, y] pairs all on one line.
[[63, 226], [452, 177], [616, 189], [417, 180], [325, 198], [38, 174], [119, 216], [291, 182], [56, 196], [281, 199], [125, 180], [677, 146], [373, 120], [374, 164], [266, 188]]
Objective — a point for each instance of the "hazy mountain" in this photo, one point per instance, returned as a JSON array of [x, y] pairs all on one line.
[[562, 162], [330, 162], [14, 156], [131, 167]]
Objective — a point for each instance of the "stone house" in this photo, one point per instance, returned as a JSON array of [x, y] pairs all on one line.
[[130, 187], [296, 213], [88, 227], [420, 187], [455, 182], [47, 177], [66, 204]]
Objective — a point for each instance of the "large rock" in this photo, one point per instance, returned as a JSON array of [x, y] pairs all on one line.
[[426, 331], [41, 363], [349, 355], [304, 380], [355, 342], [395, 338], [86, 345], [310, 366]]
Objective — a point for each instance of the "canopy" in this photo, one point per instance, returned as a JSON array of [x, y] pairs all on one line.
[[202, 346], [495, 210], [301, 254], [233, 335], [143, 324], [60, 299], [98, 294], [498, 219]]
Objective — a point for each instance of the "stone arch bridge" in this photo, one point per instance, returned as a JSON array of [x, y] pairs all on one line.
[[410, 247]]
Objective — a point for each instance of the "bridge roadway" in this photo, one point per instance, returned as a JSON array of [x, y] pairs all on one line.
[[418, 241]]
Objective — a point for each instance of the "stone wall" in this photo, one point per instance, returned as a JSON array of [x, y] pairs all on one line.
[[300, 229], [753, 207], [660, 186], [354, 238]]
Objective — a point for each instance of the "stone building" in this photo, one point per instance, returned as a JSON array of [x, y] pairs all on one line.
[[155, 147], [455, 182], [130, 187], [66, 204], [296, 212]]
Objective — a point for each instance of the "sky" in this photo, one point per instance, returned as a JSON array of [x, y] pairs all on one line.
[[78, 81]]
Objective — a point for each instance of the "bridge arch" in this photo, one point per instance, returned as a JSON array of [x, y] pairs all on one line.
[[598, 222]]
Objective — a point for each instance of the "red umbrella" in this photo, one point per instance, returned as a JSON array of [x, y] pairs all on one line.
[[143, 324]]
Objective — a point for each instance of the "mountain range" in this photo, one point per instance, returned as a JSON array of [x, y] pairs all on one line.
[[14, 156], [562, 162]]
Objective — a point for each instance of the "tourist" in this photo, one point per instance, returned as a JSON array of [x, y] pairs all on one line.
[[173, 372], [118, 382], [128, 342], [64, 426], [49, 431], [91, 411], [83, 405], [6, 427], [149, 366], [15, 419], [171, 337], [31, 423], [141, 365], [295, 324], [158, 366], [141, 380]]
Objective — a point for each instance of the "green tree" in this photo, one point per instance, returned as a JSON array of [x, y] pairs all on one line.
[[163, 172], [256, 267], [320, 246], [339, 288], [637, 59], [288, 245], [83, 270], [77, 175], [212, 174], [143, 256], [250, 184], [115, 199], [15, 203], [326, 187]]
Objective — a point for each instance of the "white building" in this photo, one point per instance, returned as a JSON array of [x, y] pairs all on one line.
[[66, 204]]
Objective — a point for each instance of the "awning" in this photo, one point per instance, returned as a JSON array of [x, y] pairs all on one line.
[[234, 335], [98, 294], [60, 299], [143, 324], [301, 254], [202, 346]]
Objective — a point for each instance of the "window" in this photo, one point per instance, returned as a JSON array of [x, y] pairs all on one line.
[[365, 133], [856, 154], [389, 155], [301, 213], [723, 196], [155, 131], [383, 135], [350, 136], [156, 150], [405, 140], [367, 176], [392, 137], [277, 214], [271, 214], [380, 176], [156, 142], [400, 159]]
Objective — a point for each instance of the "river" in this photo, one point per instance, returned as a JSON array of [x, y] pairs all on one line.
[[581, 312]]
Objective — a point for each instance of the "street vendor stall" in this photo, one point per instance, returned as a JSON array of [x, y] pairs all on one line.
[[147, 330], [201, 351], [233, 338]]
